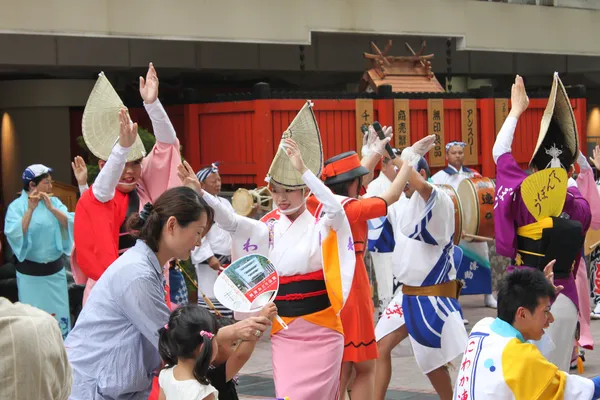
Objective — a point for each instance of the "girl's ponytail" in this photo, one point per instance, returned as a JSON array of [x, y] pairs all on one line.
[[203, 361], [165, 347]]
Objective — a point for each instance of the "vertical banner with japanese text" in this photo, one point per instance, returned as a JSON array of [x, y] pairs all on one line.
[[468, 112], [364, 117], [402, 123], [435, 116], [501, 112]]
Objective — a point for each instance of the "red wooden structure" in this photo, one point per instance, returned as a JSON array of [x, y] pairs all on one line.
[[243, 135]]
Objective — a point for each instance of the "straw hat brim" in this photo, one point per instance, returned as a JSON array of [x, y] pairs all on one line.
[[559, 108], [100, 124], [305, 132]]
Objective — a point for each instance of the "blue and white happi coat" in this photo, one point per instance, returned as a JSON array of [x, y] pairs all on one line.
[[424, 256]]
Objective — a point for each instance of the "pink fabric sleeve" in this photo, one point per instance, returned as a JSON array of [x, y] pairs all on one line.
[[159, 171], [587, 187]]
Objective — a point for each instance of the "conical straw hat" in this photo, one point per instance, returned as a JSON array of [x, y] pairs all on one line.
[[305, 132], [559, 116], [100, 124]]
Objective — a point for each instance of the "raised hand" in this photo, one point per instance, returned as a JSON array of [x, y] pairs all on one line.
[[518, 98], [149, 86], [291, 149], [128, 131], [424, 145], [80, 170], [188, 177], [378, 145], [549, 272], [596, 159]]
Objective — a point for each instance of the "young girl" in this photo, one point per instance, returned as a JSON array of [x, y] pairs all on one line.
[[188, 346]]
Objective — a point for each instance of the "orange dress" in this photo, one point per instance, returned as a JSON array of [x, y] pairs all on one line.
[[357, 314]]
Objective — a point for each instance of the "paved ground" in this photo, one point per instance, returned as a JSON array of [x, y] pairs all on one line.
[[407, 381]]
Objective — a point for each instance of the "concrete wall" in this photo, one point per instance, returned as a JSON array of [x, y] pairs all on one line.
[[328, 52], [479, 25], [36, 127], [35, 136]]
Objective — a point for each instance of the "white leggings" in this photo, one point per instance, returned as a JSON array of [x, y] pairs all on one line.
[[557, 343]]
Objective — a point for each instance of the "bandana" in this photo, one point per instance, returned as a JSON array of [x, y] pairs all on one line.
[[461, 144], [205, 172]]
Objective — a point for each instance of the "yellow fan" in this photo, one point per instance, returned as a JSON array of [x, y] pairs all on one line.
[[100, 125], [544, 193], [305, 132]]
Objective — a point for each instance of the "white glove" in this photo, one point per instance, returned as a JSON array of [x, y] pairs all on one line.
[[424, 145], [379, 145], [376, 145], [582, 161], [410, 156], [368, 141]]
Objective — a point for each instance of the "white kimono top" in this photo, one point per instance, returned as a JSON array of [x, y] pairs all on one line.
[[301, 246]]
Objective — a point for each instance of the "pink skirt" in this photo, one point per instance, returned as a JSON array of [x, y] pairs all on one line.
[[583, 293], [306, 361]]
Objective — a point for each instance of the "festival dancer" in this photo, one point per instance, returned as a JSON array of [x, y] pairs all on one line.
[[314, 280], [215, 251], [524, 239], [475, 270], [39, 230], [343, 175], [127, 180], [499, 361], [426, 308]]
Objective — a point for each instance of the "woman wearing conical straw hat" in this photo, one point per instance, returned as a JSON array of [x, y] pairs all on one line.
[[542, 217], [315, 261], [128, 179], [344, 174]]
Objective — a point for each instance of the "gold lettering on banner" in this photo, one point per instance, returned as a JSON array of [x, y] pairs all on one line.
[[435, 115], [468, 112], [364, 118], [501, 111], [402, 123]]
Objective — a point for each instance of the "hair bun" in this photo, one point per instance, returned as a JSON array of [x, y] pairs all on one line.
[[145, 213]]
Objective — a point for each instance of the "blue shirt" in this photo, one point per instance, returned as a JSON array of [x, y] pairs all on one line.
[[113, 348], [45, 240]]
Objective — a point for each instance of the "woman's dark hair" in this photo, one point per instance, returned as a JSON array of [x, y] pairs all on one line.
[[522, 288], [181, 337], [181, 202], [341, 189], [36, 181], [224, 321]]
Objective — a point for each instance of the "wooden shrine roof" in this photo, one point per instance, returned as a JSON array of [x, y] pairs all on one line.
[[405, 74]]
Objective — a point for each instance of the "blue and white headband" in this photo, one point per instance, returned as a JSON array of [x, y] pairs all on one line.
[[461, 144], [205, 172]]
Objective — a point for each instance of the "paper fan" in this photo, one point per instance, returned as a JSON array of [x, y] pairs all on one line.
[[305, 132], [544, 193], [100, 125]]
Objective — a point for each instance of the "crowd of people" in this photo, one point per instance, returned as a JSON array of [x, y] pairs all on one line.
[[137, 336]]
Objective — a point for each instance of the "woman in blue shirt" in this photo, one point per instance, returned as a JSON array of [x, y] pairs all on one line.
[[39, 230]]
